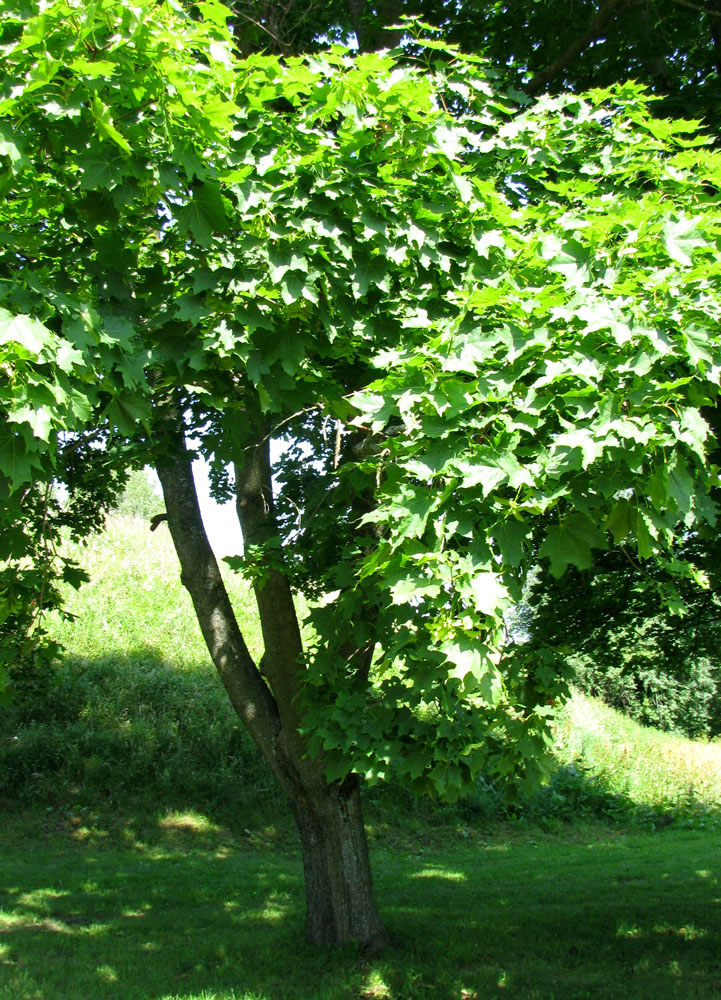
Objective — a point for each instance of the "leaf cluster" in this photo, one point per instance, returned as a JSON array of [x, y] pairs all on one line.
[[482, 321]]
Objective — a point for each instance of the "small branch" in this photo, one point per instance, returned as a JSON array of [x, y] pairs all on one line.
[[78, 442], [698, 7], [251, 20], [605, 13], [338, 443], [283, 423]]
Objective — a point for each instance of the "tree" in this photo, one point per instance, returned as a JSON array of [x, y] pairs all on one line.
[[476, 315], [625, 647], [140, 498], [673, 46]]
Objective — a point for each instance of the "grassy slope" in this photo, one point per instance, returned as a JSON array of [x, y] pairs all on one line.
[[649, 767], [119, 612], [150, 657], [128, 898]]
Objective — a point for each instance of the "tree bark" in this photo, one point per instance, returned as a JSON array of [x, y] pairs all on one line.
[[338, 885], [373, 25], [340, 905]]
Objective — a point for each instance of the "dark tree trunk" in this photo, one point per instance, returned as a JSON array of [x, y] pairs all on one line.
[[373, 24], [340, 906]]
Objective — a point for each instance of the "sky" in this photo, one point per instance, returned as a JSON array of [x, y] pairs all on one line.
[[221, 523]]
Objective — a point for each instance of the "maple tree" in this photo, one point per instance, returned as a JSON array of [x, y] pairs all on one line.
[[463, 316]]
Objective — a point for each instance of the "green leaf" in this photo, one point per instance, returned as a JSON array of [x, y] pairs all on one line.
[[38, 418], [410, 511], [680, 238], [699, 344], [11, 147], [680, 485], [488, 593], [371, 275], [511, 537], [16, 462], [204, 215], [621, 522], [291, 287], [644, 543], [570, 542], [25, 331], [104, 121]]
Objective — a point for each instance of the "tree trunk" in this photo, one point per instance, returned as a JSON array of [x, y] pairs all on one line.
[[340, 906], [373, 23]]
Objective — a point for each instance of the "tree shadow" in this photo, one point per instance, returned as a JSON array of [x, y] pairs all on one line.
[[132, 733]]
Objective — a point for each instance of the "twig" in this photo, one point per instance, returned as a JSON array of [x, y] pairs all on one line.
[[283, 423], [338, 442]]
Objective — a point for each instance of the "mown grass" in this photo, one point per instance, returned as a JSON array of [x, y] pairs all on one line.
[[201, 916], [145, 852]]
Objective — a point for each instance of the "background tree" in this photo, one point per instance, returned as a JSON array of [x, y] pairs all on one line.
[[623, 646], [482, 317], [672, 46]]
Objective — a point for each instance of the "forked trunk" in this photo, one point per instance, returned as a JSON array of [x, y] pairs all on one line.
[[339, 895], [340, 906]]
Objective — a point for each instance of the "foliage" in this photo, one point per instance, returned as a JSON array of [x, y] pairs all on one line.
[[657, 667], [506, 315], [34, 563], [671, 46], [140, 498]]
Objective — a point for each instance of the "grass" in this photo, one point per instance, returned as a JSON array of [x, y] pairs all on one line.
[[196, 915], [119, 612], [655, 769], [145, 853]]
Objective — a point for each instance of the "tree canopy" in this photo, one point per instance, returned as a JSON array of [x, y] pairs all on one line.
[[672, 46], [505, 312], [470, 318]]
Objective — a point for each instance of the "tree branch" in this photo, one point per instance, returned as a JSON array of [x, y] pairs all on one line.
[[200, 575], [283, 647], [698, 7], [606, 13]]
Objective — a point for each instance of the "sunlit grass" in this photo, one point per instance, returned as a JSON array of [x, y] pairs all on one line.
[[188, 822], [135, 602], [655, 769]]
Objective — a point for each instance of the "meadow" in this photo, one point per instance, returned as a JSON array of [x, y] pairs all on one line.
[[146, 854]]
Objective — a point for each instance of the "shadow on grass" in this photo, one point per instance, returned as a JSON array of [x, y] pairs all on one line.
[[125, 731], [621, 917]]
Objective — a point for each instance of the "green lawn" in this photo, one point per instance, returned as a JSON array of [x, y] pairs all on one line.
[[201, 914], [145, 855]]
